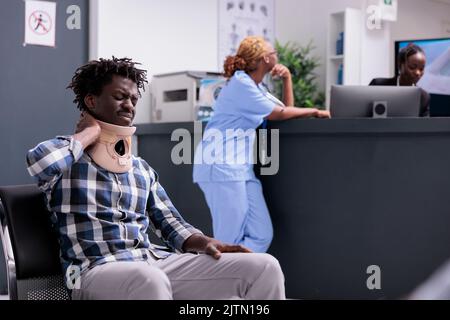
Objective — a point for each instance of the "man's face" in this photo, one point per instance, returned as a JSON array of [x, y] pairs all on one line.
[[117, 102]]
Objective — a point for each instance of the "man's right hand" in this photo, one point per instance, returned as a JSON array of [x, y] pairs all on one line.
[[87, 131]]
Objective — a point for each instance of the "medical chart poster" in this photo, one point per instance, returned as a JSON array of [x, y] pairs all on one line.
[[241, 18], [40, 23]]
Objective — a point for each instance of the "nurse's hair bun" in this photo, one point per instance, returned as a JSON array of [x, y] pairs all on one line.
[[249, 54], [232, 64]]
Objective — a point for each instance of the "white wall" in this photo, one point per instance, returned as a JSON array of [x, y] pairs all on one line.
[[375, 49], [164, 35], [176, 35], [421, 19], [305, 20]]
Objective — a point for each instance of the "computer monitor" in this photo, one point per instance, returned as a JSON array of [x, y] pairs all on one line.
[[360, 101], [439, 105]]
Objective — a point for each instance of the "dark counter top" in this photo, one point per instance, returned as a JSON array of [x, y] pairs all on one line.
[[327, 126], [349, 194]]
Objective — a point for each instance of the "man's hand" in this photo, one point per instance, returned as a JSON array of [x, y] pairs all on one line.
[[87, 131], [281, 71], [200, 243]]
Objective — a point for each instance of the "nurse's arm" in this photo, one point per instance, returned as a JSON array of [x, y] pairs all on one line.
[[283, 72], [280, 113]]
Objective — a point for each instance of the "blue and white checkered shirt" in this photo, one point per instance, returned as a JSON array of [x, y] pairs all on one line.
[[103, 216]]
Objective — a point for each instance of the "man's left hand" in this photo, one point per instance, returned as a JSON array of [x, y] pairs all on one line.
[[210, 246]]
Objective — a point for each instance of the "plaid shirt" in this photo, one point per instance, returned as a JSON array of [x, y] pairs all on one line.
[[103, 216]]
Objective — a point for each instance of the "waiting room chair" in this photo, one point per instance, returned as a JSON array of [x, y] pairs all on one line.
[[30, 245]]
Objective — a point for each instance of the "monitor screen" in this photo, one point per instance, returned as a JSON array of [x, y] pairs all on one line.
[[364, 101], [437, 71]]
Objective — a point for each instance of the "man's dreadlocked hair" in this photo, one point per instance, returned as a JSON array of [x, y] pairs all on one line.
[[93, 76]]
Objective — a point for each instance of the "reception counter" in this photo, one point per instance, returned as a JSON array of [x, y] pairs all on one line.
[[360, 207]]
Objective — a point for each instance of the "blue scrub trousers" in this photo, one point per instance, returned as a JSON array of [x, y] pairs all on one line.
[[239, 213]]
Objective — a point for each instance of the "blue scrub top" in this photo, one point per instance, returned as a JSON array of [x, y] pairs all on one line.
[[226, 150]]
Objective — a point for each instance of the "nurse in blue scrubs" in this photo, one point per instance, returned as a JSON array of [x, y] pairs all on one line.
[[223, 165]]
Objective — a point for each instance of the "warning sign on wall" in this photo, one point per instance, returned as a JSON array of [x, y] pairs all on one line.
[[40, 23]]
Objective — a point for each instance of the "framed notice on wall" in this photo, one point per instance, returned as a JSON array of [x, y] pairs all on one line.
[[389, 9], [40, 18], [241, 18]]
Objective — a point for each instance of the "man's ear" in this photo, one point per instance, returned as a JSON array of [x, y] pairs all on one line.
[[90, 101]]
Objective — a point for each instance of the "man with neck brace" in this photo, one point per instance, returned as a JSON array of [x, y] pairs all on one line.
[[103, 199]]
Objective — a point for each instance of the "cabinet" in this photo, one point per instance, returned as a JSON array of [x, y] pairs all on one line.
[[344, 59]]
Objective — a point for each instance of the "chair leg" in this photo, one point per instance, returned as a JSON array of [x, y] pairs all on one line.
[[9, 263], [12, 282], [3, 272]]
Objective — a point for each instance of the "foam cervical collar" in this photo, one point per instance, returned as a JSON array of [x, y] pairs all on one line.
[[112, 151]]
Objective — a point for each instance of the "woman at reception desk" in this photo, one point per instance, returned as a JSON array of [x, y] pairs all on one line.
[[411, 62]]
